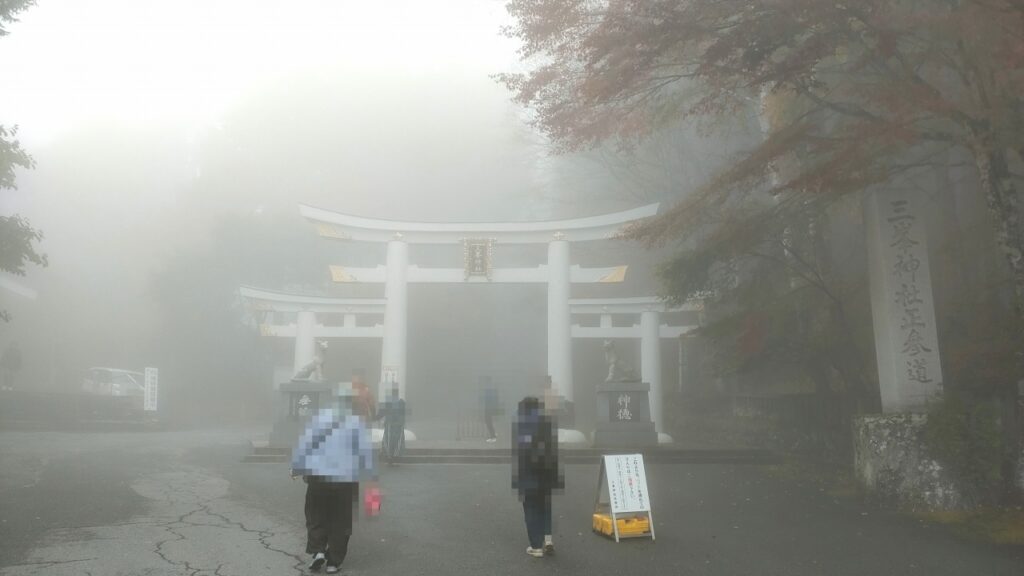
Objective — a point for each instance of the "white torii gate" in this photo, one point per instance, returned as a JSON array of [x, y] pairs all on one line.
[[477, 240]]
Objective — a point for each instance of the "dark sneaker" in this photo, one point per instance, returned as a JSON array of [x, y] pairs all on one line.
[[549, 548], [318, 562]]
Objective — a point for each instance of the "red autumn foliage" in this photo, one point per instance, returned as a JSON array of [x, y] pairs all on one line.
[[873, 89]]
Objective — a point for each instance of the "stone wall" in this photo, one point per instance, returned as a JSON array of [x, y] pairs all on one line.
[[891, 462], [1020, 471], [1020, 431]]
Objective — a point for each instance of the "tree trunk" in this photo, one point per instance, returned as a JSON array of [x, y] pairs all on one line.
[[1003, 205], [849, 362], [1002, 200]]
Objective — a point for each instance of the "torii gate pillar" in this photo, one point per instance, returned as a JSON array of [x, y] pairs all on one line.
[[396, 323], [559, 327], [650, 362], [305, 347]]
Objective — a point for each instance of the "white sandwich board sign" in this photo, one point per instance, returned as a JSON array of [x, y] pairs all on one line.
[[622, 489]]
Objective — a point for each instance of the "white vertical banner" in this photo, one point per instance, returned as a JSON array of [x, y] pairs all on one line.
[[149, 402], [906, 340]]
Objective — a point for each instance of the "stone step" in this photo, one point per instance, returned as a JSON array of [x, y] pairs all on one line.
[[266, 458], [577, 456], [83, 425]]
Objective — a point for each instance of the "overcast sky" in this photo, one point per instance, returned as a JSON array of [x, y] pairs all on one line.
[[183, 63], [160, 128]]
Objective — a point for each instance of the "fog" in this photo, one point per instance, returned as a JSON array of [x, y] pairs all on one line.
[[771, 351], [173, 145]]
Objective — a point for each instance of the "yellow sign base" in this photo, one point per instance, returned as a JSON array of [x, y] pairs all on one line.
[[635, 527]]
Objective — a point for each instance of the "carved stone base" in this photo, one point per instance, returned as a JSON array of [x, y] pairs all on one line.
[[625, 435]]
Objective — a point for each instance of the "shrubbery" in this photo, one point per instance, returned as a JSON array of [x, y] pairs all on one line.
[[963, 433]]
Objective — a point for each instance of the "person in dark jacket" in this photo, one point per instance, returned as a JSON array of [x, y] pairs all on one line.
[[535, 472], [393, 414]]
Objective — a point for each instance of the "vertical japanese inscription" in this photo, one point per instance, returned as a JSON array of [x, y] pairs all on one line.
[[623, 412], [906, 339], [916, 344]]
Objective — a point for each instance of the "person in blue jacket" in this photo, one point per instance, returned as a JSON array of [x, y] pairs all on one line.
[[333, 455]]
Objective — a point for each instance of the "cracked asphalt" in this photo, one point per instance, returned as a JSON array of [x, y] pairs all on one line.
[[183, 503], [112, 503]]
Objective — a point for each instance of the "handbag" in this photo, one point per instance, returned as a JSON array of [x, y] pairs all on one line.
[[372, 501]]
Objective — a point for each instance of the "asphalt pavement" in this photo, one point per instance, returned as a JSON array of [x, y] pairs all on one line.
[[170, 503]]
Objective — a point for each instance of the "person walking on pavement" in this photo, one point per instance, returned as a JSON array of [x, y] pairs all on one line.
[[393, 413], [491, 407], [364, 404], [535, 472], [333, 455]]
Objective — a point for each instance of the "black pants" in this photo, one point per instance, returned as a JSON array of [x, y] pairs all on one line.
[[537, 510], [329, 517]]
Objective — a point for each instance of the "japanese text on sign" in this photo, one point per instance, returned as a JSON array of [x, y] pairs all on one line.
[[627, 483]]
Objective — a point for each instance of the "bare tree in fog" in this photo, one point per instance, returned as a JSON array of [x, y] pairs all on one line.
[[17, 236]]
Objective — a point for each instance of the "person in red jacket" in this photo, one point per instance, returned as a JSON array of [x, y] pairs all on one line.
[[364, 404]]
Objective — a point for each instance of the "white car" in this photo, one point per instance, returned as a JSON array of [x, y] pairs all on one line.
[[115, 382]]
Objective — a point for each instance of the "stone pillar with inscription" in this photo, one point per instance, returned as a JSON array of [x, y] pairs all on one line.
[[902, 307], [889, 457]]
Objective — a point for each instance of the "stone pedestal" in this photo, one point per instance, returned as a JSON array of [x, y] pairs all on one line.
[[561, 410], [624, 416], [891, 462]]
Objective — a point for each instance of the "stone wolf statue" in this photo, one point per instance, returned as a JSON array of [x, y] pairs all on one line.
[[618, 371], [314, 371]]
